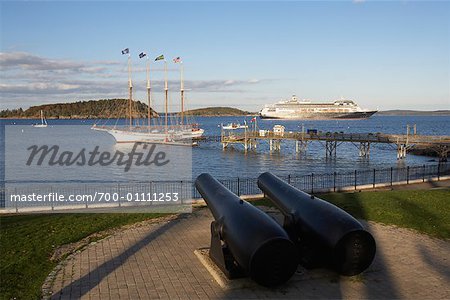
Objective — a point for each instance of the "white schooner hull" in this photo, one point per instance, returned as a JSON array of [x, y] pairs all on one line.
[[151, 136], [122, 136]]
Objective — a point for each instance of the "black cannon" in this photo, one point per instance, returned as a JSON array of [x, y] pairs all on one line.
[[326, 235], [245, 240]]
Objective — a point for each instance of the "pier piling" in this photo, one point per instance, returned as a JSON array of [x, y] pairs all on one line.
[[362, 141], [364, 149], [330, 149]]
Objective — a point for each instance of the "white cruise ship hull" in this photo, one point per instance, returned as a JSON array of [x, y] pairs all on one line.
[[317, 116], [295, 109]]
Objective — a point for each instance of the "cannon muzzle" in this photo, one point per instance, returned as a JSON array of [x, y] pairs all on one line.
[[325, 234], [245, 236]]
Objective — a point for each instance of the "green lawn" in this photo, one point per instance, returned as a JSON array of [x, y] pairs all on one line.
[[427, 211], [27, 242]]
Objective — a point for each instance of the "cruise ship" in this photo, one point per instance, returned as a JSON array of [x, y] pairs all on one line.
[[303, 109]]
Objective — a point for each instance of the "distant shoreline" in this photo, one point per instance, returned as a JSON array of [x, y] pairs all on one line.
[[246, 114], [107, 109], [399, 112], [116, 108], [95, 118]]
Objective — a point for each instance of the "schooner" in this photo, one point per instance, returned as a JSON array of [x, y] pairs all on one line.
[[167, 133]]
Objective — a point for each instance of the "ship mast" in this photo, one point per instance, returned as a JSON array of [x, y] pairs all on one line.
[[182, 91], [149, 97], [130, 86], [166, 89]]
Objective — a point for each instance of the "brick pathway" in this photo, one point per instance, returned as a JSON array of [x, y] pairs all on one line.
[[157, 261]]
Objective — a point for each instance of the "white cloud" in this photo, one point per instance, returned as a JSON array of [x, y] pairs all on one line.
[[229, 82], [220, 85], [28, 61], [29, 79]]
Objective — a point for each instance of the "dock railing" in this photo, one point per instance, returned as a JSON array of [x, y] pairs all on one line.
[[311, 183]]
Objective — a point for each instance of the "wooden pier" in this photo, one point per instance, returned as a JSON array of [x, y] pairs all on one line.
[[331, 140]]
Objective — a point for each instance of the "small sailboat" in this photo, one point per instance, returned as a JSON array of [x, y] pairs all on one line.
[[43, 122]]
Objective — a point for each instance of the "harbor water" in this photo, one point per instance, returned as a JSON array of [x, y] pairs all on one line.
[[234, 162]]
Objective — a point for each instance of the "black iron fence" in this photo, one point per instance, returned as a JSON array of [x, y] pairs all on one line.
[[335, 181], [186, 191]]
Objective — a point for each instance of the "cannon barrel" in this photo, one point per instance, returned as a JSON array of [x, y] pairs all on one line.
[[258, 244], [333, 236]]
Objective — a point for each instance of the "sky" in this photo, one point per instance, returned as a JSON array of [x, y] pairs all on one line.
[[383, 55]]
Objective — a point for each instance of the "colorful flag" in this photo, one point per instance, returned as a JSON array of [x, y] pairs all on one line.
[[125, 51], [177, 60], [161, 57], [142, 54], [253, 120]]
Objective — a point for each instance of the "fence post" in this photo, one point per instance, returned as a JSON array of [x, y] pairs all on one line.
[[334, 181], [312, 183], [374, 178], [355, 180], [151, 191], [118, 193], [407, 175], [51, 191], [289, 178], [423, 173], [85, 192], [238, 188], [392, 169], [3, 196], [15, 193], [181, 191]]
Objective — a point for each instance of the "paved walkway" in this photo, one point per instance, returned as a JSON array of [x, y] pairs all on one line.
[[156, 260]]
